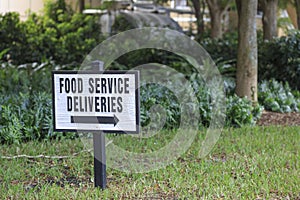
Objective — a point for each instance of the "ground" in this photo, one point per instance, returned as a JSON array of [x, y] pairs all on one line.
[[285, 119], [246, 163], [260, 162]]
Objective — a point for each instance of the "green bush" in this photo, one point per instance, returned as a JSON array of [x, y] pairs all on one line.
[[146, 56], [121, 24], [13, 80], [13, 37], [26, 104], [27, 117], [203, 97], [27, 78], [278, 97], [222, 50], [154, 94], [59, 35], [280, 59], [240, 112]]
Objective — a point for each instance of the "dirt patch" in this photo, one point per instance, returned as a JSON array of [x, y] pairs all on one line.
[[284, 119]]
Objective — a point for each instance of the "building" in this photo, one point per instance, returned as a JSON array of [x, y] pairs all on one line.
[[25, 7], [179, 10]]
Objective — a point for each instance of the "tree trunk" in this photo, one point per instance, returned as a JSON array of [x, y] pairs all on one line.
[[199, 16], [246, 75], [217, 10], [291, 10], [81, 6], [297, 5], [215, 19], [269, 8]]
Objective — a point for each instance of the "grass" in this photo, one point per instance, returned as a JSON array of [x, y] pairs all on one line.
[[246, 163]]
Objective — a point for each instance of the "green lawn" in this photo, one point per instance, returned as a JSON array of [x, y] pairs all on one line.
[[246, 163]]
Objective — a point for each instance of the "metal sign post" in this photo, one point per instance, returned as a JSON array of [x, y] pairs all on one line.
[[96, 101], [99, 148], [99, 160]]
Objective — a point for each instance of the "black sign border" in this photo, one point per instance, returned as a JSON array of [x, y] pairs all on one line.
[[137, 99]]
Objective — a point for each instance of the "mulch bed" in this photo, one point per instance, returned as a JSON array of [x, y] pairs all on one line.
[[283, 119]]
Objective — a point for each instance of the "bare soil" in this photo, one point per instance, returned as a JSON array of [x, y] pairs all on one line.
[[283, 119]]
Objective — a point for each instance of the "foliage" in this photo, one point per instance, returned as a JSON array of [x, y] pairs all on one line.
[[278, 97], [53, 10], [26, 117], [279, 59], [121, 24], [153, 94], [59, 35], [240, 111], [12, 37], [147, 55], [13, 80], [27, 78], [25, 103], [222, 50]]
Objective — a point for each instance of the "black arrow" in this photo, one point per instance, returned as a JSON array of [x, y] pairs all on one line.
[[95, 120]]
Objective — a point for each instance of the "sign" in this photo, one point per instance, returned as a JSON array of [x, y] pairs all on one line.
[[96, 101]]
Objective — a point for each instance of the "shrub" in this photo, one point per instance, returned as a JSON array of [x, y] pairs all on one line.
[[27, 117], [27, 78], [280, 59], [148, 55], [121, 24], [153, 94], [240, 111], [26, 104], [278, 97], [222, 50], [60, 35], [12, 37]]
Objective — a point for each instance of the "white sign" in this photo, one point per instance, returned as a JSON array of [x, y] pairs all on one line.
[[96, 101]]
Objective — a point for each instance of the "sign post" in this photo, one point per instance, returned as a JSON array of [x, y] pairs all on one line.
[[99, 102], [99, 148], [99, 160]]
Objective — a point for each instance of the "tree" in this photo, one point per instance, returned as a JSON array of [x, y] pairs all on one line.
[[293, 9], [81, 5], [246, 75], [297, 5], [199, 7], [217, 10], [51, 9], [269, 8]]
